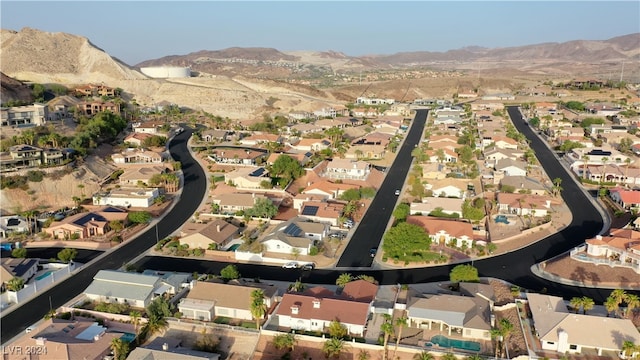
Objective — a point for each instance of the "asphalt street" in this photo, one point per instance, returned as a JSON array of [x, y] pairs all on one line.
[[194, 190]]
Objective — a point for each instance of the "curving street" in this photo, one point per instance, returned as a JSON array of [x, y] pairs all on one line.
[[17, 321]]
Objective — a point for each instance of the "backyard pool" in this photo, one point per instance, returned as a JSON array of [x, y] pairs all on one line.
[[445, 342], [502, 219], [44, 275], [233, 247], [128, 337]]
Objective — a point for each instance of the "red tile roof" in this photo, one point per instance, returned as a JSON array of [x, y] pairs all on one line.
[[345, 311], [360, 290], [432, 226]]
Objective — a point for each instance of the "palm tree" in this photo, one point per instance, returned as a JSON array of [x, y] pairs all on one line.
[[119, 348], [29, 215], [626, 170], [363, 355], [611, 305], [576, 303], [135, 319], [628, 348], [401, 323], [387, 329], [633, 302], [333, 347], [344, 279], [298, 286], [425, 355], [507, 328], [556, 189], [285, 341], [350, 208], [156, 324], [448, 356], [258, 307], [15, 284], [587, 304], [496, 334], [585, 160], [617, 296], [604, 161]]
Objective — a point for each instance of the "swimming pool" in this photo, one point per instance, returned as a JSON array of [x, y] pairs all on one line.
[[501, 219], [128, 337], [44, 275], [233, 247], [444, 341]]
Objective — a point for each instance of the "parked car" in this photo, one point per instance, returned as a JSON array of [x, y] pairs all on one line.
[[397, 192], [373, 252], [290, 265], [308, 266]]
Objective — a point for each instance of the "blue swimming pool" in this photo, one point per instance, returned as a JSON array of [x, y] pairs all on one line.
[[502, 219], [445, 342], [233, 247], [44, 275], [128, 337]]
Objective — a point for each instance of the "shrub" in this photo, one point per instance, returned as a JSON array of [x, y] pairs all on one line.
[[35, 175], [313, 251]]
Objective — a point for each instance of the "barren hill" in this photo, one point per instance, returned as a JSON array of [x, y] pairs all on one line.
[[13, 90]]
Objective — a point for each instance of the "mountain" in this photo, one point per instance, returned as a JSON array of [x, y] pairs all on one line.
[[58, 57], [14, 90]]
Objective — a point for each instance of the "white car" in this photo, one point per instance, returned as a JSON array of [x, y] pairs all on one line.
[[397, 192], [290, 265]]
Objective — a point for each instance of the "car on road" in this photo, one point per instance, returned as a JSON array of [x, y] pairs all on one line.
[[373, 252], [397, 192], [290, 265], [308, 266]]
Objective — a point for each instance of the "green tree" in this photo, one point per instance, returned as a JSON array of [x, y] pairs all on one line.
[[401, 323], [587, 304], [229, 272], [19, 253], [464, 273], [333, 347], [401, 212], [287, 168], [367, 192], [471, 212], [405, 239], [37, 90], [67, 255], [633, 302], [424, 355], [139, 217], [120, 348], [387, 329], [576, 303], [448, 356], [15, 284], [351, 195], [628, 348], [135, 319], [343, 279], [506, 328], [257, 307], [611, 305], [337, 330], [264, 208]]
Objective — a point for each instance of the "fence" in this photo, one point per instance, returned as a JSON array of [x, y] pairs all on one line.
[[58, 273]]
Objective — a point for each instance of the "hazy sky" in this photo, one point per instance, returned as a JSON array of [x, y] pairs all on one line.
[[137, 31]]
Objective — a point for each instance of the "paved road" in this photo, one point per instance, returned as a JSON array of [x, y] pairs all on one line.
[[374, 223], [195, 187], [514, 267]]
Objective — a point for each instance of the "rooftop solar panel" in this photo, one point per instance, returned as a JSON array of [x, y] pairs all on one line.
[[258, 172], [293, 230], [310, 210]]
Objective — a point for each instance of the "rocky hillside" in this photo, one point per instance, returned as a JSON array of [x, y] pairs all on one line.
[[14, 90]]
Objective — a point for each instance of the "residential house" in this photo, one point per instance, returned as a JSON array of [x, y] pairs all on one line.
[[445, 232], [323, 212], [301, 158], [214, 135], [364, 112], [231, 203], [304, 129], [140, 174], [341, 169], [434, 171], [137, 290], [247, 177], [16, 267], [237, 156], [374, 101], [502, 142], [487, 104], [296, 235], [137, 156], [628, 199], [169, 349], [365, 152], [442, 156], [375, 138], [446, 205], [495, 154], [565, 332], [150, 127], [328, 189], [21, 157], [449, 120], [524, 184], [598, 156], [57, 339], [360, 290], [309, 313], [311, 145], [95, 90], [524, 204], [213, 235], [499, 96], [207, 300], [90, 108], [258, 139], [14, 224], [512, 167], [87, 224], [621, 248], [469, 316], [302, 198], [24, 116], [300, 115], [450, 191], [127, 197], [440, 141], [326, 124], [137, 139]]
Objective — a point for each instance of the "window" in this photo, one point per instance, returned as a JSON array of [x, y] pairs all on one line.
[[573, 347]]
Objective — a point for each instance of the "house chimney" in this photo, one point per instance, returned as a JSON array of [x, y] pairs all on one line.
[[165, 347], [294, 309], [316, 303], [218, 228]]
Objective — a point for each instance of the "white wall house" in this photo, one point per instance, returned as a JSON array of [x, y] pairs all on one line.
[[127, 197]]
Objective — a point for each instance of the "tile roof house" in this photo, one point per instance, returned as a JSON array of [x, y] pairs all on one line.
[[13, 224], [301, 198], [301, 158], [619, 249], [126, 197], [310, 313], [468, 315], [449, 191], [247, 177], [22, 268], [523, 183], [212, 135], [327, 188], [429, 204], [628, 199], [216, 234], [360, 290], [150, 127], [512, 167], [137, 156], [135, 289], [448, 156], [230, 203], [496, 154], [303, 128], [137, 139], [524, 204], [324, 212], [57, 339], [236, 156], [563, 331], [140, 174], [296, 235], [311, 144], [347, 169], [257, 139], [443, 231], [207, 300], [87, 224]]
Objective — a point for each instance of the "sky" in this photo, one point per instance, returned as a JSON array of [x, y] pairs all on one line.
[[144, 30]]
